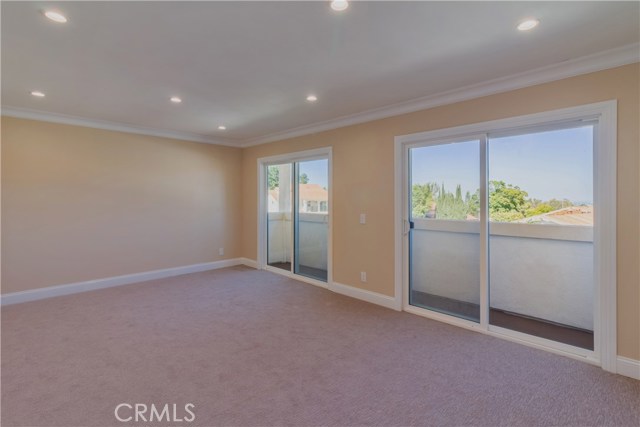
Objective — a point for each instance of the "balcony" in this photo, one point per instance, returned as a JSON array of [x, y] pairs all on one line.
[[541, 279], [313, 231]]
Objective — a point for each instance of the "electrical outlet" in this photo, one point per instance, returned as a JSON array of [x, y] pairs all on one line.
[[363, 218], [363, 276], [221, 251]]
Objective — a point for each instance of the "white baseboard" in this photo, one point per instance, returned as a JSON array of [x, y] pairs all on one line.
[[249, 262], [628, 367], [364, 295], [90, 285]]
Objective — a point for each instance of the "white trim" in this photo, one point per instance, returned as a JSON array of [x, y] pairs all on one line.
[[109, 282], [400, 176], [612, 58], [505, 334], [545, 344], [450, 320], [45, 116], [605, 141], [605, 266], [296, 156], [299, 277], [330, 219], [628, 367], [365, 295], [483, 179], [261, 253], [292, 157], [472, 130], [251, 263]]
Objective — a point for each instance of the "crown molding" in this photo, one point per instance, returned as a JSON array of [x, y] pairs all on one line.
[[612, 58], [45, 116]]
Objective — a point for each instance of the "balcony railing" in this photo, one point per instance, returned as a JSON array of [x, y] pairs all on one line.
[[313, 228], [542, 271]]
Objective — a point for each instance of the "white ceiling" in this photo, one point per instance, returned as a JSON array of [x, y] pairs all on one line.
[[250, 65]]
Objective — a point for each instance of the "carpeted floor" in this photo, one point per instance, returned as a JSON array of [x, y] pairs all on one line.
[[252, 348]]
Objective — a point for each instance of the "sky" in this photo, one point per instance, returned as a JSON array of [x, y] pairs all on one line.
[[317, 171], [554, 164]]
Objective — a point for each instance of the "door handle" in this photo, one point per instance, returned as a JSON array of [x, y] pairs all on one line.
[[407, 226]]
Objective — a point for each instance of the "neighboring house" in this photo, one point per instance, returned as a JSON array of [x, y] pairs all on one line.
[[573, 215], [273, 200], [313, 199]]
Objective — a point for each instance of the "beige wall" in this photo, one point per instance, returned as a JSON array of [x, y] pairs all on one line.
[[363, 168], [81, 203]]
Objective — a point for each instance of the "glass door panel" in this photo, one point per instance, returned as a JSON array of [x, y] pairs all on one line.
[[311, 218], [444, 241], [540, 192], [279, 220]]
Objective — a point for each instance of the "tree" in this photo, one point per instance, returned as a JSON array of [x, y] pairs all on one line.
[[507, 202], [559, 204], [539, 209], [422, 199], [450, 205], [273, 177], [473, 204]]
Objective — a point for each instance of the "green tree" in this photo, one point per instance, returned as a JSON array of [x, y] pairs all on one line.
[[450, 205], [473, 204], [559, 204], [507, 202], [539, 209], [273, 177], [422, 199]]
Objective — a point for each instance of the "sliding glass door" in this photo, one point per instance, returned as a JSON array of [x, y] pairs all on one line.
[[541, 233], [279, 217], [297, 217], [500, 232], [445, 228], [311, 218]]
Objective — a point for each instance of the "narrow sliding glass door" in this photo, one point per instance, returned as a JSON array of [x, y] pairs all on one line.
[[297, 217], [279, 218], [444, 205], [311, 218]]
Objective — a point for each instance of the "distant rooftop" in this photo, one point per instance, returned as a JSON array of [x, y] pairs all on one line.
[[308, 192], [573, 215]]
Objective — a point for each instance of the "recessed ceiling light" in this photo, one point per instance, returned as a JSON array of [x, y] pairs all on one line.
[[55, 16], [312, 98], [529, 24], [176, 100], [37, 93], [221, 127], [339, 5]]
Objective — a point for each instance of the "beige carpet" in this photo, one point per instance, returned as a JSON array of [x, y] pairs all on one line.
[[253, 348]]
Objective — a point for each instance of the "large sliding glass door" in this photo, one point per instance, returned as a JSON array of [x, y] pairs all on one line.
[[500, 232], [297, 216]]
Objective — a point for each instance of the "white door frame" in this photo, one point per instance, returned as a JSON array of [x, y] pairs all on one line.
[[605, 151], [298, 156]]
